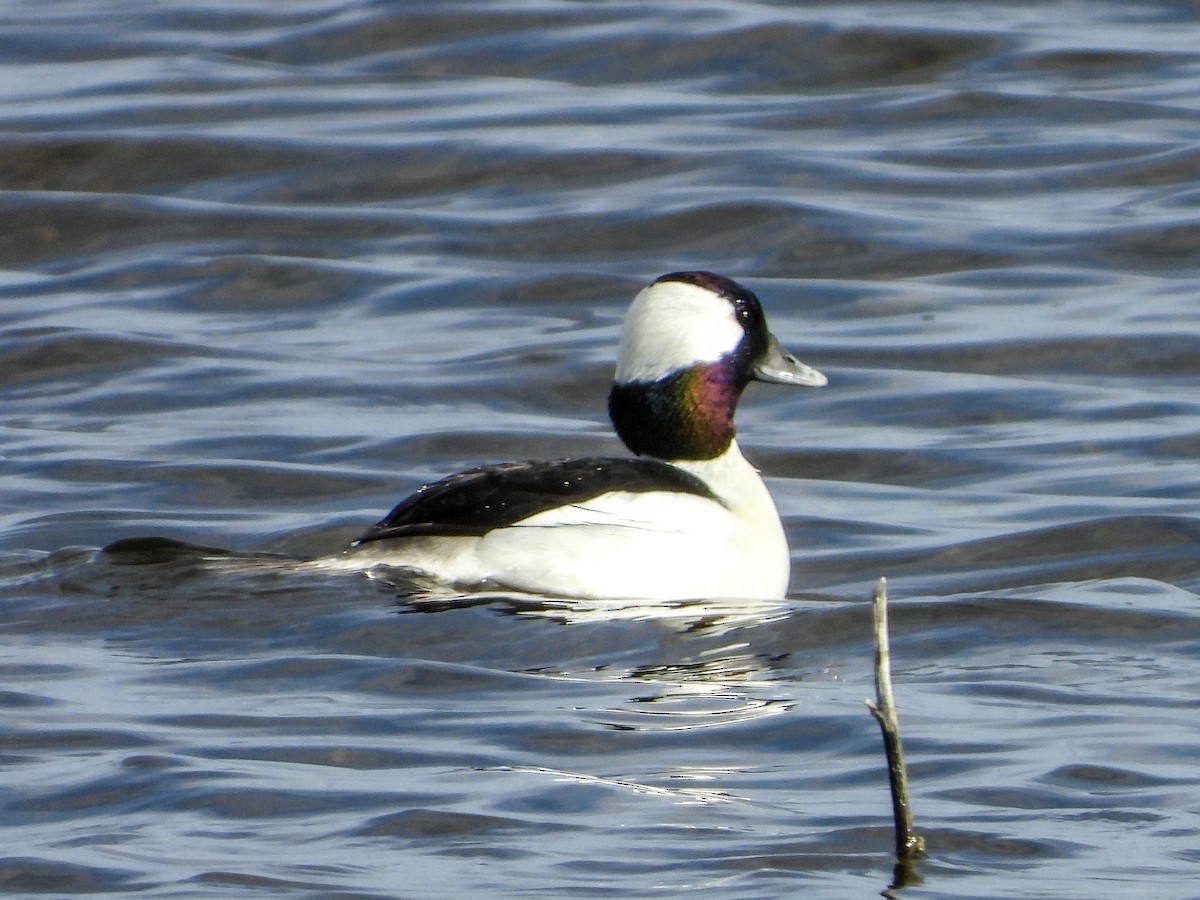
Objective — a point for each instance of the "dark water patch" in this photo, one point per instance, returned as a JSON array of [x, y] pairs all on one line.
[[440, 454], [767, 59], [1146, 168], [786, 240], [246, 283], [36, 876], [80, 740], [917, 468], [1103, 778], [435, 825], [407, 679], [988, 113], [249, 804], [403, 175], [237, 483], [243, 883], [103, 523], [968, 849], [339, 756], [1141, 354], [147, 165], [150, 762], [1131, 613], [1157, 247], [1008, 799], [306, 541], [1098, 64], [883, 258], [1029, 696], [42, 361], [894, 56], [1159, 548], [21, 700], [372, 36], [122, 32], [294, 448], [992, 171], [696, 233], [1121, 817], [119, 792], [65, 231], [590, 298], [158, 586]]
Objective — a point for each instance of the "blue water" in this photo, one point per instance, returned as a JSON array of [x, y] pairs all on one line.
[[265, 269]]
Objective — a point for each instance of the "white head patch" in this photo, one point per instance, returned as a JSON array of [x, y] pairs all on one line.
[[673, 325]]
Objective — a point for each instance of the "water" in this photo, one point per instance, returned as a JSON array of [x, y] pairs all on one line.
[[268, 268]]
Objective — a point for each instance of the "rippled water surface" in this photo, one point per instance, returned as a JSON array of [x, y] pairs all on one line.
[[268, 267]]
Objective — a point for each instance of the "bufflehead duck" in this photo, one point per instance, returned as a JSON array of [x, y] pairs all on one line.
[[687, 517]]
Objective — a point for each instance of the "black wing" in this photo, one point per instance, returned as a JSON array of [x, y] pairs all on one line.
[[476, 501]]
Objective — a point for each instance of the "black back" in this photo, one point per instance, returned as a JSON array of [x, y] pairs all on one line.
[[476, 501]]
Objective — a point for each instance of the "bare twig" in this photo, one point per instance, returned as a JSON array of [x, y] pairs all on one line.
[[910, 846]]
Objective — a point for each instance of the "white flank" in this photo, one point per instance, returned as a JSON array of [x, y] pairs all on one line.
[[658, 545]]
